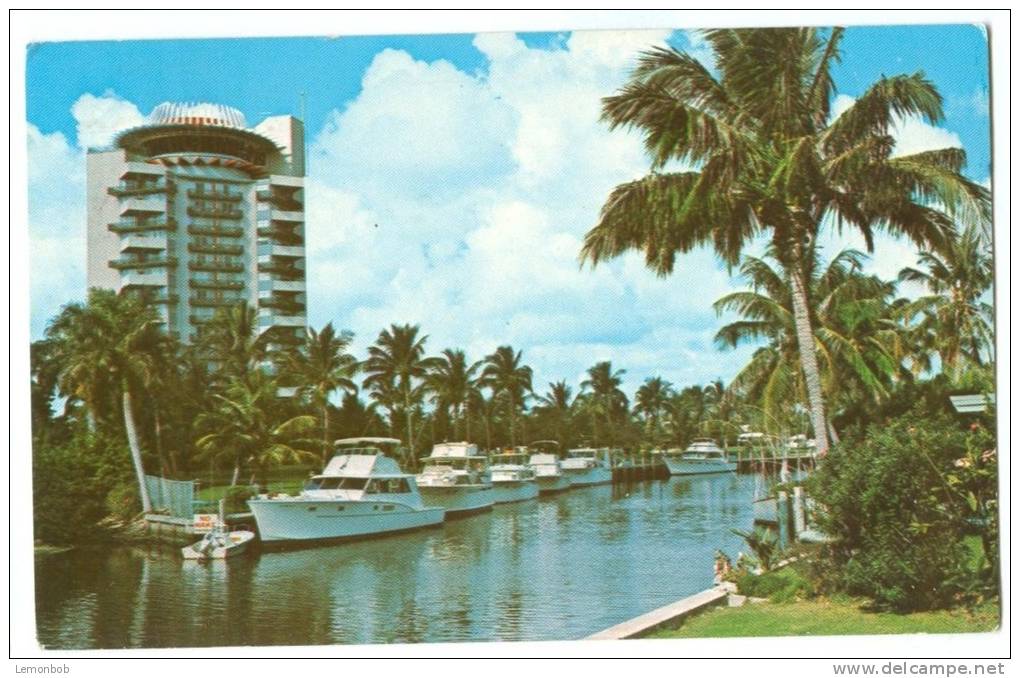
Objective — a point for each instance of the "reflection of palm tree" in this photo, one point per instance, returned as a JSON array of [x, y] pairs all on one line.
[[110, 346], [853, 335], [248, 425], [396, 366], [451, 381], [322, 366], [953, 315], [774, 161], [509, 381], [605, 397]]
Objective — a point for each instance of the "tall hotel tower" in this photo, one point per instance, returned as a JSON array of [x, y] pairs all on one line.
[[196, 211]]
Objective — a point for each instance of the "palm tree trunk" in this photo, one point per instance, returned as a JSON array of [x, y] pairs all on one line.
[[513, 413], [325, 431], [809, 360], [407, 416], [237, 473], [136, 452]]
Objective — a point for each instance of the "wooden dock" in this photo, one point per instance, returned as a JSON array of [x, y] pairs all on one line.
[[749, 460], [630, 466]]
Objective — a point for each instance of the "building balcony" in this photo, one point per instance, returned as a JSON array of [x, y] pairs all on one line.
[[278, 200], [287, 216], [215, 284], [128, 189], [132, 279], [152, 204], [272, 285], [215, 248], [213, 303], [214, 213], [153, 262], [281, 235], [199, 319], [283, 306], [216, 231], [165, 298], [286, 181], [285, 271], [283, 251], [141, 243], [226, 196], [267, 320], [226, 267], [143, 169], [167, 224], [282, 336]]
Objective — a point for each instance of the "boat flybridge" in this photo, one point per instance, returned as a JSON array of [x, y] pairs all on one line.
[[587, 466], [549, 473], [456, 477], [361, 492], [701, 456], [512, 478]]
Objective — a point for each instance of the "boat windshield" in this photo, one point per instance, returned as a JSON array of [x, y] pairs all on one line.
[[336, 483]]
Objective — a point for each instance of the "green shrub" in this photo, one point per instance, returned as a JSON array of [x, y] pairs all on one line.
[[122, 502], [780, 586], [899, 500], [237, 498]]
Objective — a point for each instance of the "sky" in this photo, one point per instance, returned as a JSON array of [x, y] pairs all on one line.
[[451, 178]]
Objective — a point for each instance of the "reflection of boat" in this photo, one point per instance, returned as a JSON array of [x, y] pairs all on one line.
[[219, 544], [456, 477], [512, 478], [549, 473], [701, 456], [361, 492], [587, 466]]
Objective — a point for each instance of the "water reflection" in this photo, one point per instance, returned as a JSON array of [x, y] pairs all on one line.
[[561, 567]]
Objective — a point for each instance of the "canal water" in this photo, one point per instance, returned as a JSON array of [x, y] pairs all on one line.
[[556, 568]]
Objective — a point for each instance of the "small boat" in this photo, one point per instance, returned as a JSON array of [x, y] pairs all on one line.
[[456, 477], [361, 492], [549, 475], [587, 466], [219, 544], [701, 456], [512, 478]]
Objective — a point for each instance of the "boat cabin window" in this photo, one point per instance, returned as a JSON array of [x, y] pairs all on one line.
[[329, 483], [352, 484], [391, 486], [312, 483]]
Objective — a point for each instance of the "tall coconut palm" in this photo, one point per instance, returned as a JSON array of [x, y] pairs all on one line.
[[557, 406], [772, 160], [953, 314], [232, 342], [452, 381], [605, 398], [248, 426], [109, 348], [650, 401], [396, 369], [854, 338], [321, 367], [509, 381]]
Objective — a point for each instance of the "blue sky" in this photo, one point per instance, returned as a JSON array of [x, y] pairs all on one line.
[[451, 177]]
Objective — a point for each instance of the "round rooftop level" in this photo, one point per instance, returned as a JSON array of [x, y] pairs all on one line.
[[171, 113]]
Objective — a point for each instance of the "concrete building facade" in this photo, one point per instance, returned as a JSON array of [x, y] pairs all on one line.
[[195, 211]]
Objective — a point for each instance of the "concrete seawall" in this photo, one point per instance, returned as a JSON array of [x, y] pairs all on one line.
[[667, 616]]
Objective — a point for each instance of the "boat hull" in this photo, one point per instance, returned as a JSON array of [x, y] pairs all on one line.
[[550, 484], [513, 490], [236, 543], [681, 467], [301, 520], [590, 476], [458, 500]]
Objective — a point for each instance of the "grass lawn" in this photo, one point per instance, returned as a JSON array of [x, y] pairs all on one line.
[[828, 617]]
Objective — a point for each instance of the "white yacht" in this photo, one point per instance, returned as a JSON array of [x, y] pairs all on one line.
[[512, 478], [361, 492], [701, 456], [587, 466], [549, 473], [456, 477]]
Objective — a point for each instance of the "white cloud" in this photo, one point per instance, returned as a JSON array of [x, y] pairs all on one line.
[[912, 133], [100, 118]]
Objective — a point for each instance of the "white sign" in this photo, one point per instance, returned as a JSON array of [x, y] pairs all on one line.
[[204, 522]]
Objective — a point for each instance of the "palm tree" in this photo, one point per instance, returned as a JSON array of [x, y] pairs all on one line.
[[452, 381], [605, 397], [248, 425], [650, 401], [323, 366], [953, 315], [396, 367], [108, 348], [854, 338], [231, 340], [772, 161], [557, 405], [509, 381]]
